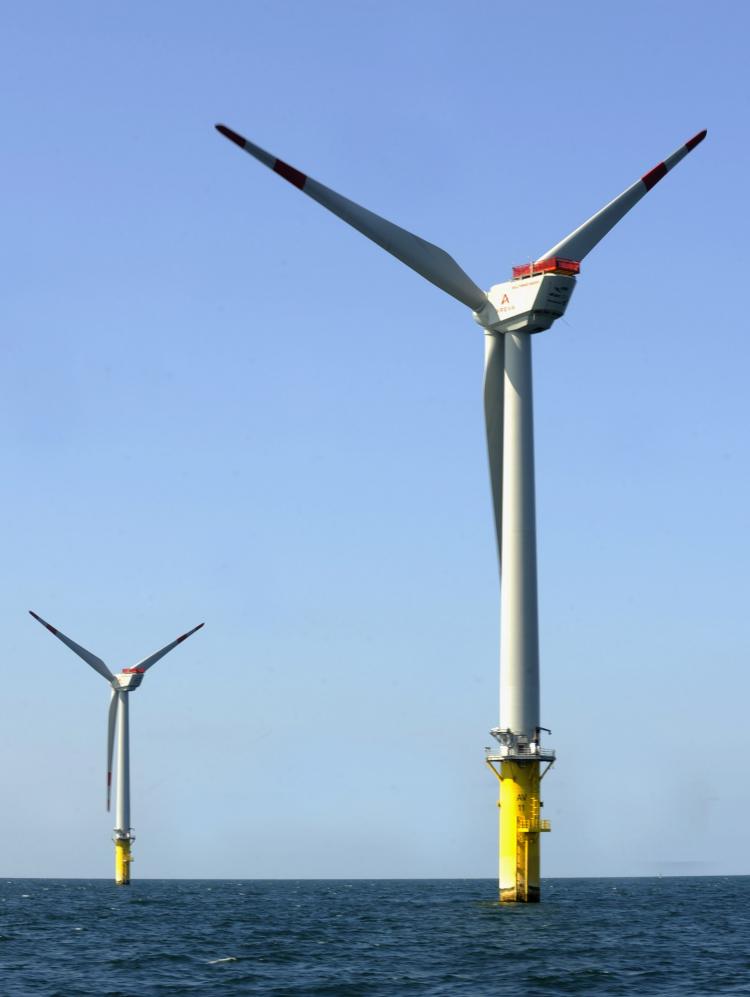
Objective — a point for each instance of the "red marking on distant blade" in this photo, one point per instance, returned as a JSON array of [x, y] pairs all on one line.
[[232, 136], [696, 139], [654, 176], [51, 629], [289, 173]]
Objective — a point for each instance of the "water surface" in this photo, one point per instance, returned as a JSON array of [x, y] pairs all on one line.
[[673, 936]]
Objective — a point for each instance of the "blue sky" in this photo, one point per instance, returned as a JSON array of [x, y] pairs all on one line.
[[219, 403]]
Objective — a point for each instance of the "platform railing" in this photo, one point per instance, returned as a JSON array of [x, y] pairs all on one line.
[[523, 751]]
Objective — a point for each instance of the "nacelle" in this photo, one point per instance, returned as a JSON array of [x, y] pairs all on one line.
[[529, 305], [129, 679]]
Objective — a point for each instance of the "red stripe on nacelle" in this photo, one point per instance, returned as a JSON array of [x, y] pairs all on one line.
[[696, 139], [289, 173], [654, 176]]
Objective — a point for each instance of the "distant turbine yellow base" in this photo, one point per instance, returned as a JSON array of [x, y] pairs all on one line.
[[520, 827], [123, 858]]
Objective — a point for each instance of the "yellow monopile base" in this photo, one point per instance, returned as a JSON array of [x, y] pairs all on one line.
[[520, 827], [519, 838], [123, 858]]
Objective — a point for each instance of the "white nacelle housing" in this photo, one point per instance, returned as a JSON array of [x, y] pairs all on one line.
[[529, 305], [127, 681]]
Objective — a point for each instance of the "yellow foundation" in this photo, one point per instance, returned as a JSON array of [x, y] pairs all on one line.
[[520, 827], [123, 858]]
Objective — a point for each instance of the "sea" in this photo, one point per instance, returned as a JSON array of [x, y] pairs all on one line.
[[373, 938]]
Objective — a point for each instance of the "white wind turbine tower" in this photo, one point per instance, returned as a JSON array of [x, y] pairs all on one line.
[[509, 313], [122, 684]]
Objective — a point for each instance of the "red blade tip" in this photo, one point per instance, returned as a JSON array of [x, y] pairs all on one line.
[[232, 136], [696, 139]]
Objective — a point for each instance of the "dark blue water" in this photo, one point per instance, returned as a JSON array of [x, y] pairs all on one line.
[[676, 936]]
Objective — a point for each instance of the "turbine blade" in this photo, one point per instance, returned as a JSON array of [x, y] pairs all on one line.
[[144, 665], [494, 402], [430, 261], [111, 721], [580, 242], [91, 659]]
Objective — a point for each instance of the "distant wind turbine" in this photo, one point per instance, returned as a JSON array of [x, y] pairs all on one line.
[[122, 683], [509, 313]]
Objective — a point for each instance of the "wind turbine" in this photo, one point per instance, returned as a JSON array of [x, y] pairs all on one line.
[[122, 683], [509, 313]]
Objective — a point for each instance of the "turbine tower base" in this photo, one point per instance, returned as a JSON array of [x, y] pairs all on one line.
[[520, 828], [123, 858]]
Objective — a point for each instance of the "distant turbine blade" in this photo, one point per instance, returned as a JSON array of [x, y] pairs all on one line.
[[579, 243], [144, 665], [96, 663], [111, 721], [430, 261]]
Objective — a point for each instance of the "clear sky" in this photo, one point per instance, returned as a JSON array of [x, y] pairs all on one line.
[[219, 403]]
